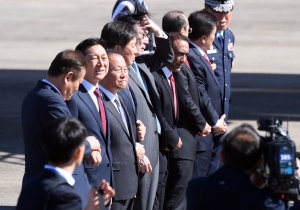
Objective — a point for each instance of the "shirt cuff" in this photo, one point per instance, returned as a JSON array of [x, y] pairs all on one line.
[[217, 124], [164, 36]]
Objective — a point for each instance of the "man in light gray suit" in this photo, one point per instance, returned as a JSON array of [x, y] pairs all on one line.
[[145, 101]]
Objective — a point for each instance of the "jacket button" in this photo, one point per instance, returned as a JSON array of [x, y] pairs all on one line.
[[155, 132], [153, 115], [173, 126], [108, 164], [226, 85]]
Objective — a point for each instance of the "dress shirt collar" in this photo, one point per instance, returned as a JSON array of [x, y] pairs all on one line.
[[88, 86], [68, 177], [167, 72], [220, 33], [107, 93], [46, 81], [198, 48]]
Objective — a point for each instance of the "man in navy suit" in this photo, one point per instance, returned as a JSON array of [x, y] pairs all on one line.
[[85, 106], [46, 102], [221, 53], [201, 38], [124, 156], [237, 185], [62, 140]]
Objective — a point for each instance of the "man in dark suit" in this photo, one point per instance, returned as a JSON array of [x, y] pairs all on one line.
[[201, 38], [62, 140], [90, 109], [46, 102], [124, 161], [221, 53], [191, 123], [145, 99], [237, 185], [166, 89]]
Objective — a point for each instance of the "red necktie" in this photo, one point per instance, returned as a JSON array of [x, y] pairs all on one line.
[[101, 110], [172, 82], [187, 63], [206, 58]]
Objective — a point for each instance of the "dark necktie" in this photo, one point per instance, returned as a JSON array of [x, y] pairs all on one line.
[[101, 109], [221, 40], [172, 82]]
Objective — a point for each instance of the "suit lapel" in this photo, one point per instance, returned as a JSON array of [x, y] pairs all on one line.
[[134, 77], [204, 62], [217, 44], [112, 109], [167, 87], [86, 98]]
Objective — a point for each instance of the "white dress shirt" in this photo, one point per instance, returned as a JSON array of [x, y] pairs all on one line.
[[66, 175]]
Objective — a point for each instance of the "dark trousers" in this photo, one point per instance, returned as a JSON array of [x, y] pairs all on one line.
[[180, 173], [160, 193], [122, 204], [202, 163], [215, 159]]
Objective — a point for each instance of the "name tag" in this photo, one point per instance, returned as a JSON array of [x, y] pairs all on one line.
[[230, 46], [211, 51]]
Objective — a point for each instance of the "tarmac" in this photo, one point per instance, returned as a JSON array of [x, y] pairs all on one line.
[[265, 77]]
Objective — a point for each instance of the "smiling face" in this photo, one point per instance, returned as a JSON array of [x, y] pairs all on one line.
[[97, 64], [224, 18], [181, 50], [117, 76]]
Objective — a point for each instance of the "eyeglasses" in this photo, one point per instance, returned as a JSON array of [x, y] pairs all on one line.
[[144, 36], [119, 71], [190, 30]]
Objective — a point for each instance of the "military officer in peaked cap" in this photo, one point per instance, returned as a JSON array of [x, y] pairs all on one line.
[[221, 56]]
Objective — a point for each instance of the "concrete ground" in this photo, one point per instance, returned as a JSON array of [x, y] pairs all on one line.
[[265, 78]]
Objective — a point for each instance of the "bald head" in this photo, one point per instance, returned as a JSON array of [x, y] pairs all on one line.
[[175, 21]]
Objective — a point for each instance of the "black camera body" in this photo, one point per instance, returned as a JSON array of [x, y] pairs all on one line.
[[280, 167]]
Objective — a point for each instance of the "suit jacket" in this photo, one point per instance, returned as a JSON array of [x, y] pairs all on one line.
[[82, 107], [223, 58], [230, 188], [149, 108], [124, 157], [35, 192], [211, 95], [191, 120], [167, 107], [41, 105]]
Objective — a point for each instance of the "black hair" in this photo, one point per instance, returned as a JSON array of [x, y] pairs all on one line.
[[87, 43], [174, 21], [61, 138], [67, 61], [202, 23], [118, 33], [113, 51], [177, 36], [242, 147]]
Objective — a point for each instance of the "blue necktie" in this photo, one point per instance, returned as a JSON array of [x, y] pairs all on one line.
[[144, 84], [221, 40]]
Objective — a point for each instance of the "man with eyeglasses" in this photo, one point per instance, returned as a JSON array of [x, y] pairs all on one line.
[[124, 158], [146, 103]]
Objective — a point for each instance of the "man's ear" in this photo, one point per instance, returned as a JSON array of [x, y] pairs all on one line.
[[203, 39], [118, 47], [68, 77], [79, 153], [182, 30], [222, 157]]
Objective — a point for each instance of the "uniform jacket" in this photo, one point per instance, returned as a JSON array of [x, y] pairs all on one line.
[[223, 59]]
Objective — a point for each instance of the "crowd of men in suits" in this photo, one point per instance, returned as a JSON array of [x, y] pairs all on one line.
[[154, 118]]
